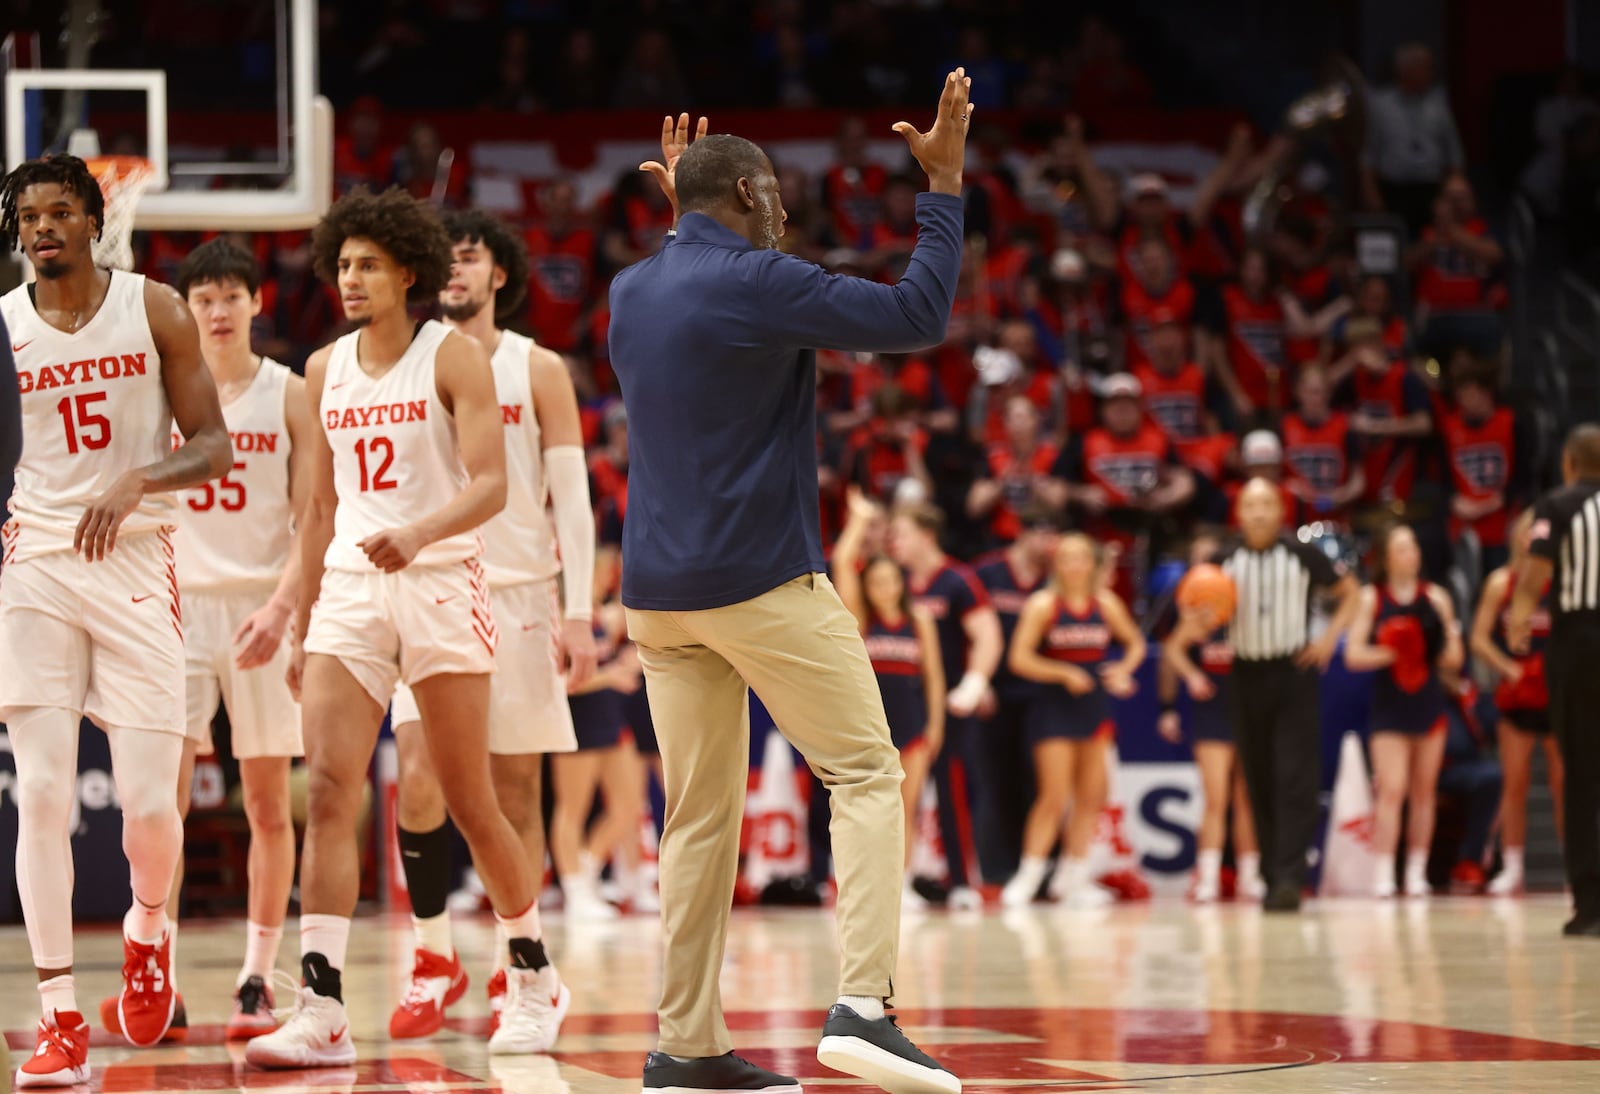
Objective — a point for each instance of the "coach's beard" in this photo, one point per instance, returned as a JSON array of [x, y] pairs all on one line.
[[460, 313]]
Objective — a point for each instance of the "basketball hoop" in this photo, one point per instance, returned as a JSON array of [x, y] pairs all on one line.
[[122, 179]]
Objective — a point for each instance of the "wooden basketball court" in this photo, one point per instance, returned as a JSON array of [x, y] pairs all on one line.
[[1441, 996]]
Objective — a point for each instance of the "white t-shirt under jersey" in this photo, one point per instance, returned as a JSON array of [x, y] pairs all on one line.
[[233, 534], [93, 409], [394, 451], [519, 542]]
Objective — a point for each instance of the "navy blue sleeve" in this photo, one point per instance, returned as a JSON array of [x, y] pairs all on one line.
[[807, 307], [10, 408]]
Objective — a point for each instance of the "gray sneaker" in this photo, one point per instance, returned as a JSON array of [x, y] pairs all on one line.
[[880, 1053], [712, 1075]]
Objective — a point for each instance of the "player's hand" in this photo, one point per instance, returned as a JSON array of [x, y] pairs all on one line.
[[963, 699], [627, 674], [1118, 681], [988, 704], [294, 675], [674, 140], [1318, 654], [1200, 687], [97, 528], [260, 635], [392, 549], [942, 150], [1077, 681], [577, 652], [1170, 726]]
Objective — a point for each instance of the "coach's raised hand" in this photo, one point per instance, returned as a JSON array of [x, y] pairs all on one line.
[[674, 139], [942, 150]]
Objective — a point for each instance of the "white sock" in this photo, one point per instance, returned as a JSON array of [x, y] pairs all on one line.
[[865, 1005], [433, 934], [1208, 867], [502, 945], [1250, 865], [1032, 866], [145, 925], [1417, 866], [260, 952], [328, 935], [58, 993], [1513, 861], [1074, 873], [1385, 869], [525, 924]]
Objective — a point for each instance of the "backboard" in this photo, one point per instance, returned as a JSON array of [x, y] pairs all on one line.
[[223, 104]]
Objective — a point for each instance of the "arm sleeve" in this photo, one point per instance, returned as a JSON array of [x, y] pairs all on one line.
[[805, 306], [569, 497], [10, 409]]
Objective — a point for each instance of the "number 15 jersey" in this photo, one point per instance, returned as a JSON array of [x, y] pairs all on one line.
[[93, 409], [394, 451]]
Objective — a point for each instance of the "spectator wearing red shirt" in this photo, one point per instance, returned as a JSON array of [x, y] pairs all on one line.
[[429, 171], [1261, 457], [1314, 299], [1453, 264], [561, 251], [1071, 316], [298, 309], [1249, 356], [851, 187], [1176, 393], [972, 323], [887, 243], [1156, 287], [359, 157], [1488, 464], [636, 221], [1322, 458], [1015, 367], [608, 476], [1374, 299], [1129, 473], [888, 449], [1016, 473], [864, 374], [1391, 417]]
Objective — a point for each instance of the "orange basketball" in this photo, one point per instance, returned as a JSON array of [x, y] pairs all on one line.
[[1207, 586]]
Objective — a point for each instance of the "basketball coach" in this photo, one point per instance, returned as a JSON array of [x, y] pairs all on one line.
[[724, 578]]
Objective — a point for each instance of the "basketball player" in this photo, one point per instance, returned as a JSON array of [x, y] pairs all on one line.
[[408, 463], [238, 576], [528, 713], [89, 618]]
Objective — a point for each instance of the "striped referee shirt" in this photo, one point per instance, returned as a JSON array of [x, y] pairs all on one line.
[[1272, 614], [1566, 533]]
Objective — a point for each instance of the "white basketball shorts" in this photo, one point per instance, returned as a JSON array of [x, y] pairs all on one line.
[[528, 710], [263, 716], [406, 626], [104, 638]]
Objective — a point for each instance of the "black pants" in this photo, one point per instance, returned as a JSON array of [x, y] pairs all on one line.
[[1574, 706], [959, 738], [1277, 726], [1008, 790]]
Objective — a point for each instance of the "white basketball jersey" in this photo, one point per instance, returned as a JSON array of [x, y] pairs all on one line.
[[519, 542], [394, 451], [93, 409], [233, 533]]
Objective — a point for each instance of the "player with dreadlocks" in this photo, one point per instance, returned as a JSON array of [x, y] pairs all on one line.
[[528, 712], [107, 362]]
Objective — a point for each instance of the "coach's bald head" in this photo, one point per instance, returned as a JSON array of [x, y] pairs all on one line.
[[1581, 458], [1260, 511], [731, 180]]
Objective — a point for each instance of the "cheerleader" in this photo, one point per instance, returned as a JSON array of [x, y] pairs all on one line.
[[1405, 630], [1523, 701], [1196, 654], [599, 764], [903, 643], [1063, 640]]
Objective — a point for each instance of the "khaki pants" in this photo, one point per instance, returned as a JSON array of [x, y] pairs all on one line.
[[802, 652]]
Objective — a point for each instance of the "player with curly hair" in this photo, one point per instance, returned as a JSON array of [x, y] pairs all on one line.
[[90, 625], [528, 713], [407, 463]]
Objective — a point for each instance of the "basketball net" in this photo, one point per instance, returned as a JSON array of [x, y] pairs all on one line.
[[122, 179]]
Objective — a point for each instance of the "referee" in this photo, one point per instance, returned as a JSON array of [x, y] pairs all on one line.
[[1276, 720], [1565, 554]]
